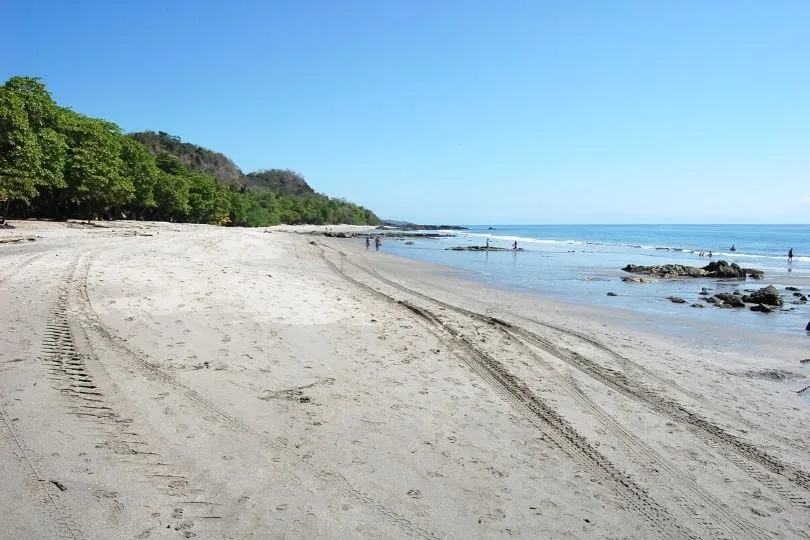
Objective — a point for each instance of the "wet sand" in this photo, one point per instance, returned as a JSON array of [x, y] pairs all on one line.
[[176, 381]]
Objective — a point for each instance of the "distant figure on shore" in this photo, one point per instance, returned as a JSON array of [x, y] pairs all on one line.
[[514, 245], [368, 243], [700, 254], [377, 243], [710, 254], [487, 243], [790, 255], [733, 248]]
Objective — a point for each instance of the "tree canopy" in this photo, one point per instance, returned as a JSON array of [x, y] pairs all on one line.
[[57, 163]]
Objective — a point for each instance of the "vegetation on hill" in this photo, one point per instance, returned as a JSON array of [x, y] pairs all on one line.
[[57, 163], [221, 167], [192, 156]]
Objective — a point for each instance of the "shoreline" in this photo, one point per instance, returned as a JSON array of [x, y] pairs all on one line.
[[305, 390]]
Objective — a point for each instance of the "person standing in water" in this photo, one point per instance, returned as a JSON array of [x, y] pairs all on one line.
[[487, 243], [514, 245], [790, 255], [368, 243], [377, 243]]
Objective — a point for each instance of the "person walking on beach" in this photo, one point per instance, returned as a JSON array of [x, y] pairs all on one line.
[[514, 245], [487, 243], [368, 243], [377, 243], [790, 255]]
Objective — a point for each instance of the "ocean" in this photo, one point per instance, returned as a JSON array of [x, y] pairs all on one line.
[[582, 263]]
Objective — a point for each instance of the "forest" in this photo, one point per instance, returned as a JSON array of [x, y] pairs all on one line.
[[58, 164]]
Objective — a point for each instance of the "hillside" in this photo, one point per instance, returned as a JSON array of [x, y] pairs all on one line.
[[284, 181], [192, 156], [222, 167]]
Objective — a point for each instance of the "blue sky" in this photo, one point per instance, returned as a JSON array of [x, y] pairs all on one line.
[[459, 111]]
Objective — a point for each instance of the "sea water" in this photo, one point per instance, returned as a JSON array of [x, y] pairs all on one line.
[[582, 263]]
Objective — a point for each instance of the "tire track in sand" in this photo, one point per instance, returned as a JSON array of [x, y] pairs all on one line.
[[47, 500], [515, 392], [746, 456], [67, 360], [19, 266], [139, 360]]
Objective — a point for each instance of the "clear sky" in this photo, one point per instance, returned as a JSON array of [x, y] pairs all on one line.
[[463, 111]]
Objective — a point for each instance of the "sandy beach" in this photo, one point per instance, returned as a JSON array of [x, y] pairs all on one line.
[[186, 381]]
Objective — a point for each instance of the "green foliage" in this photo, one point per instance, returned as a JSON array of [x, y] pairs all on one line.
[[141, 168], [94, 168], [281, 181], [20, 154], [64, 164]]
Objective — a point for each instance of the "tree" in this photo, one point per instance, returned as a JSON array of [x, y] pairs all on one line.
[[94, 165], [20, 154], [140, 167], [44, 119]]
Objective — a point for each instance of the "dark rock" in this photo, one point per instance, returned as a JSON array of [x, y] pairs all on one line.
[[730, 299], [761, 308], [611, 294], [807, 327], [792, 288], [409, 243], [723, 269], [767, 295], [676, 299], [636, 279], [697, 305], [798, 294]]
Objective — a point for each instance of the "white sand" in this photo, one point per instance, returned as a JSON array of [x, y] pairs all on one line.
[[193, 381]]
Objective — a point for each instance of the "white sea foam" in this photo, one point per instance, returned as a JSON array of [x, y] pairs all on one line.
[[494, 237]]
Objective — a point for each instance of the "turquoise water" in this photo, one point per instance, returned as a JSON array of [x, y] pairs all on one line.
[[581, 263]]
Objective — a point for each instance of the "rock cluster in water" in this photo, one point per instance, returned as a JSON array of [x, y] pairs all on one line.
[[480, 248], [764, 300], [715, 269]]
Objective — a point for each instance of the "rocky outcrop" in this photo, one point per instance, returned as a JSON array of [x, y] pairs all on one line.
[[676, 299], [480, 248], [611, 294], [715, 269], [729, 300], [768, 296], [637, 279], [761, 308]]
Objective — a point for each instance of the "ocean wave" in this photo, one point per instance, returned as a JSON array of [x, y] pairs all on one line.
[[524, 239], [527, 240]]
